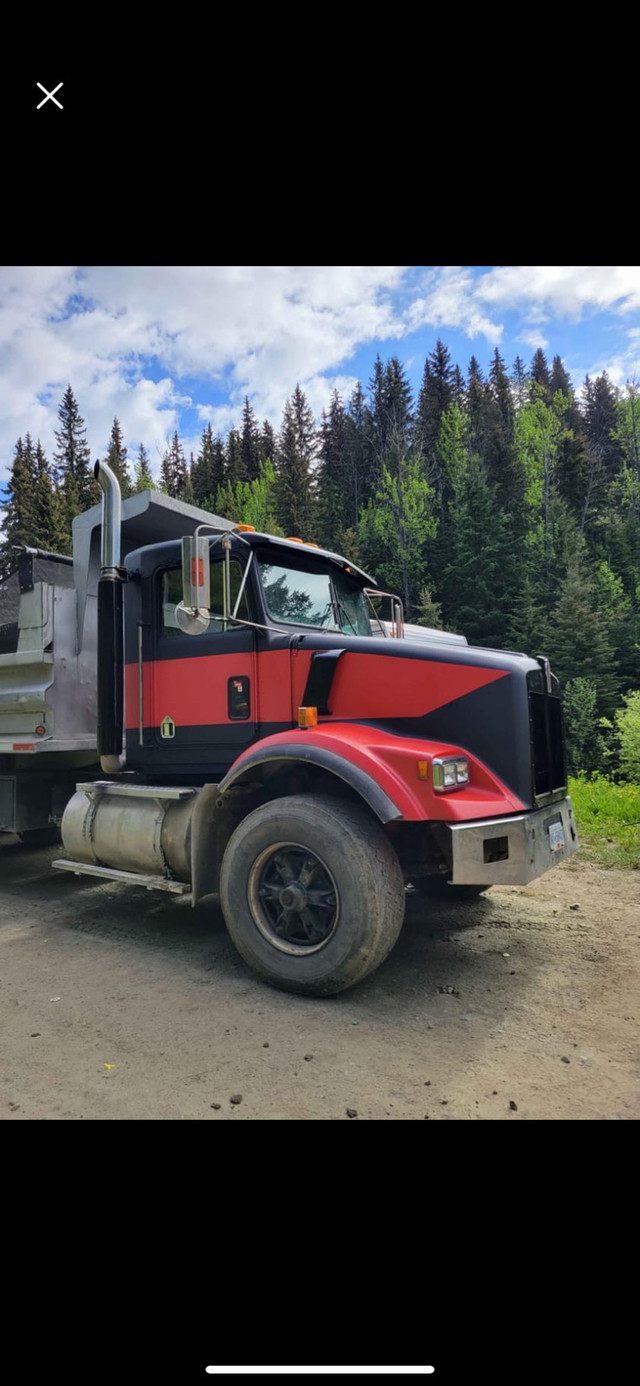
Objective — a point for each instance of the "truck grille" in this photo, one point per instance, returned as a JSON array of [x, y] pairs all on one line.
[[548, 758]]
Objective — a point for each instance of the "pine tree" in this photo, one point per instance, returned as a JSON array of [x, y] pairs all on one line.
[[399, 428], [459, 388], [528, 623], [477, 400], [601, 417], [537, 436], [332, 475], [604, 457], [501, 393], [472, 585], [435, 396], [559, 379], [398, 409], [572, 463], [250, 442], [498, 424], [428, 612], [117, 459], [451, 459], [143, 480], [539, 375], [376, 426], [296, 453], [71, 460], [20, 505], [174, 469], [520, 381], [358, 486], [188, 495], [50, 520], [235, 469], [209, 468], [579, 643], [267, 443]]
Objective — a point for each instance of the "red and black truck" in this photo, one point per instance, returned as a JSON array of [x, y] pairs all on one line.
[[263, 736]]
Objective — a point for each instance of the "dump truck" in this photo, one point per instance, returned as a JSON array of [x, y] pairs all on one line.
[[224, 714]]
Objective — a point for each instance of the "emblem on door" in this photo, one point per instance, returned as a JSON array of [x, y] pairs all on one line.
[[167, 728]]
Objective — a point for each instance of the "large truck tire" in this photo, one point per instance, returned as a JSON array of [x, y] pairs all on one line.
[[437, 887], [312, 893], [40, 837]]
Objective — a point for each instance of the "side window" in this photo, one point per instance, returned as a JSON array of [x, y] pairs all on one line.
[[171, 594]]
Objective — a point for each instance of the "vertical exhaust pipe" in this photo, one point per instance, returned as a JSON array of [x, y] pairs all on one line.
[[110, 630]]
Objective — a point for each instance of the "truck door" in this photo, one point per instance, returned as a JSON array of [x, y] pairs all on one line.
[[204, 686]]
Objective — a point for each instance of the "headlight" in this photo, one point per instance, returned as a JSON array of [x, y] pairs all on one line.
[[449, 774]]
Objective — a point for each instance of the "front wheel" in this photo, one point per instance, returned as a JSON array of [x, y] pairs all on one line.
[[312, 893]]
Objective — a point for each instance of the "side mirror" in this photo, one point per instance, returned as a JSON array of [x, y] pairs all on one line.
[[192, 613]]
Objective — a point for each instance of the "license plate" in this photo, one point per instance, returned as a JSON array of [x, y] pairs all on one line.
[[556, 837]]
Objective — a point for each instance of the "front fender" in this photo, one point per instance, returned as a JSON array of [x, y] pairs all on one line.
[[382, 768]]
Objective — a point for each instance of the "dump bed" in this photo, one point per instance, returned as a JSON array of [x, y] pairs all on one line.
[[48, 628], [47, 683]]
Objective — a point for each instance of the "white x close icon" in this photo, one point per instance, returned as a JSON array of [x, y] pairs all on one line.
[[50, 95]]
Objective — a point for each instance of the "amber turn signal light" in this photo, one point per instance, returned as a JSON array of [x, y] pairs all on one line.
[[423, 769], [307, 717]]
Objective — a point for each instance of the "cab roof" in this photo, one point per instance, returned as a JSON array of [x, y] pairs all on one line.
[[257, 539]]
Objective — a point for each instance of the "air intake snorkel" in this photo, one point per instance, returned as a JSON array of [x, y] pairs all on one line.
[[110, 629]]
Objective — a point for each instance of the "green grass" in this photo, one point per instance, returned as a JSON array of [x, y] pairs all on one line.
[[608, 820]]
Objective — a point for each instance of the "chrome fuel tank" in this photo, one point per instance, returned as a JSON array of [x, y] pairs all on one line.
[[131, 828]]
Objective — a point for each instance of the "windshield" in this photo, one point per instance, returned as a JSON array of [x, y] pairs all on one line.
[[305, 597]]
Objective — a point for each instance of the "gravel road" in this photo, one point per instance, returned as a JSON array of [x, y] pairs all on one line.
[[118, 1003]]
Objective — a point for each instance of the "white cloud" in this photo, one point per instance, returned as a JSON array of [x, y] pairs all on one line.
[[129, 338], [450, 300], [620, 368], [252, 330], [533, 338], [565, 290]]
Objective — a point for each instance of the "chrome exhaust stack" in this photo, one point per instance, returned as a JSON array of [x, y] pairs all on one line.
[[110, 627]]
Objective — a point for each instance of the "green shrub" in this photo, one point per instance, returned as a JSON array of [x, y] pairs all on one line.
[[628, 736], [587, 748], [608, 820]]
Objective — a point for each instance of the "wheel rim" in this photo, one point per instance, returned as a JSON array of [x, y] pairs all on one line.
[[293, 898]]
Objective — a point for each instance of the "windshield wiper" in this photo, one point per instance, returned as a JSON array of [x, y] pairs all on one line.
[[340, 611]]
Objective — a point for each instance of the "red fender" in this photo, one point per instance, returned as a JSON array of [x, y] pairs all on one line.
[[384, 770]]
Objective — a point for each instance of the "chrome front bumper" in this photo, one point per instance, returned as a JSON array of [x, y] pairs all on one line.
[[512, 850]]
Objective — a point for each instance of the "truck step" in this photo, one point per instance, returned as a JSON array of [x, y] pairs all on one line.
[[82, 868], [136, 791]]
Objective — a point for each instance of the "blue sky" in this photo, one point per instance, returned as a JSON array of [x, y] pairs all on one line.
[[165, 347]]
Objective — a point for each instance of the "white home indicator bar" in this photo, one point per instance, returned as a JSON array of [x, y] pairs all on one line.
[[318, 1371]]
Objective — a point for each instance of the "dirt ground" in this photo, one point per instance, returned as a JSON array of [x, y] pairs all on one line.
[[117, 1003]]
